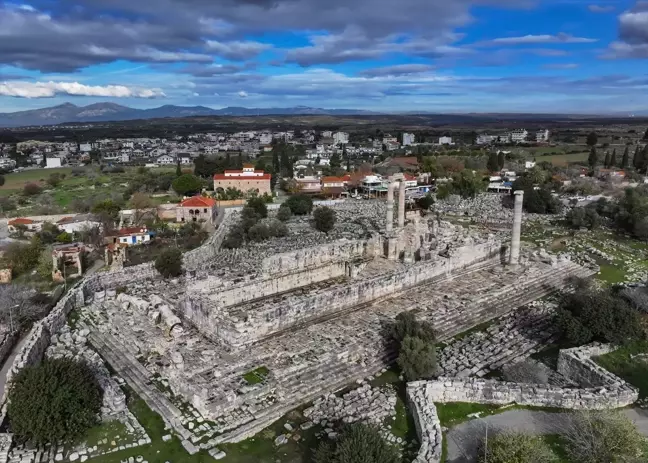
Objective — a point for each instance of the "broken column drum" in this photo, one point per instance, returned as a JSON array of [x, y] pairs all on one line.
[[517, 228]]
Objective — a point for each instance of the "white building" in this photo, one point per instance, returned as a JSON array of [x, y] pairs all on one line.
[[165, 160], [445, 141], [327, 134], [485, 139], [85, 147], [408, 139], [52, 163], [7, 163], [125, 156], [529, 165], [542, 136], [519, 135], [265, 138], [340, 138]]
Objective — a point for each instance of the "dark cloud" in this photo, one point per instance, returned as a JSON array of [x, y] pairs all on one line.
[[212, 70], [237, 50], [633, 34]]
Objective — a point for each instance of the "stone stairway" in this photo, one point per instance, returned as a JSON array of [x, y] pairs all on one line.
[[137, 377], [493, 305]]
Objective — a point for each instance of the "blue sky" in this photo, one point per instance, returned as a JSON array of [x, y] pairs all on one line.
[[571, 56]]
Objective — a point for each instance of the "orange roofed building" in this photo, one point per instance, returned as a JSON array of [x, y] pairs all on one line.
[[196, 209], [245, 180]]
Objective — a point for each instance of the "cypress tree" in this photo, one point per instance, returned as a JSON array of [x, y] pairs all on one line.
[[493, 163], [501, 159], [613, 160], [625, 160], [607, 160], [593, 158], [636, 159]]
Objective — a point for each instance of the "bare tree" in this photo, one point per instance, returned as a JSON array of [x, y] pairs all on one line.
[[20, 306]]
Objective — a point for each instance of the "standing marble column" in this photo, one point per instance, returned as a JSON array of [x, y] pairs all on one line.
[[517, 228], [389, 226], [401, 205]]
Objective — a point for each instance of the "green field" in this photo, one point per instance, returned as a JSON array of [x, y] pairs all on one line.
[[17, 180]]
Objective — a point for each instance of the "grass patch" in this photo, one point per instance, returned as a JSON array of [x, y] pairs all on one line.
[[453, 413], [624, 363], [474, 329], [256, 376], [611, 274], [17, 180], [108, 431], [557, 445]]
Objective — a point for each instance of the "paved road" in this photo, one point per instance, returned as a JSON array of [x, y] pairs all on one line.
[[9, 362], [463, 439]]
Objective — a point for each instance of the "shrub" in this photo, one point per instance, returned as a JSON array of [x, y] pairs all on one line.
[[54, 180], [2, 180], [259, 232], [64, 238], [515, 448], [32, 189], [324, 219], [277, 228], [249, 218], [417, 358], [406, 324], [54, 402], [284, 214], [588, 315], [357, 443], [235, 238], [300, 204], [21, 258], [603, 437], [259, 205], [169, 263]]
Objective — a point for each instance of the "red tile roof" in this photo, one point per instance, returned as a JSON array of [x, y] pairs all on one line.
[[66, 220], [243, 177], [21, 221], [198, 201], [128, 231], [332, 179]]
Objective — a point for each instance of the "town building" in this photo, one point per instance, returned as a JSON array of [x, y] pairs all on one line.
[[52, 163], [130, 236], [308, 185], [485, 139], [165, 160], [244, 180], [518, 136], [542, 136], [77, 223], [408, 139], [7, 163], [196, 209], [340, 138], [445, 141], [32, 226]]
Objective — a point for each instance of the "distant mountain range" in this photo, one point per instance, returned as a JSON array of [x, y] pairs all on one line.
[[104, 112]]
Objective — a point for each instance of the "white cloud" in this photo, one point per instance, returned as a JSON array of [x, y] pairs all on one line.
[[243, 94], [600, 8], [538, 39], [50, 89]]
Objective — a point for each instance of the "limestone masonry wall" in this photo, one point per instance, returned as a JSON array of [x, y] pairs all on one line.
[[427, 423], [602, 390], [294, 308]]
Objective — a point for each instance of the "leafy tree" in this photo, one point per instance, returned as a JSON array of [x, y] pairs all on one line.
[[592, 159], [284, 214], [588, 314], [54, 180], [259, 232], [324, 219], [613, 159], [32, 189], [169, 263], [178, 171], [300, 204], [603, 437], [645, 137], [643, 164], [54, 402], [580, 217], [625, 160], [259, 205], [2, 180], [187, 184], [592, 139], [64, 237], [501, 160], [515, 448], [417, 358], [235, 238], [493, 163], [107, 208], [357, 443], [406, 325], [468, 184], [426, 202], [20, 257], [277, 228]]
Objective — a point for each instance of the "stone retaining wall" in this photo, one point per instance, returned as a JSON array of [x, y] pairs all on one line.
[[602, 390], [427, 423], [301, 306]]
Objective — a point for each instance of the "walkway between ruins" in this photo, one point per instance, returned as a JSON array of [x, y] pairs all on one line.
[[8, 363], [464, 438]]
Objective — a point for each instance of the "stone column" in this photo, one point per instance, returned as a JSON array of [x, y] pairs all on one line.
[[401, 205], [517, 228], [389, 226]]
